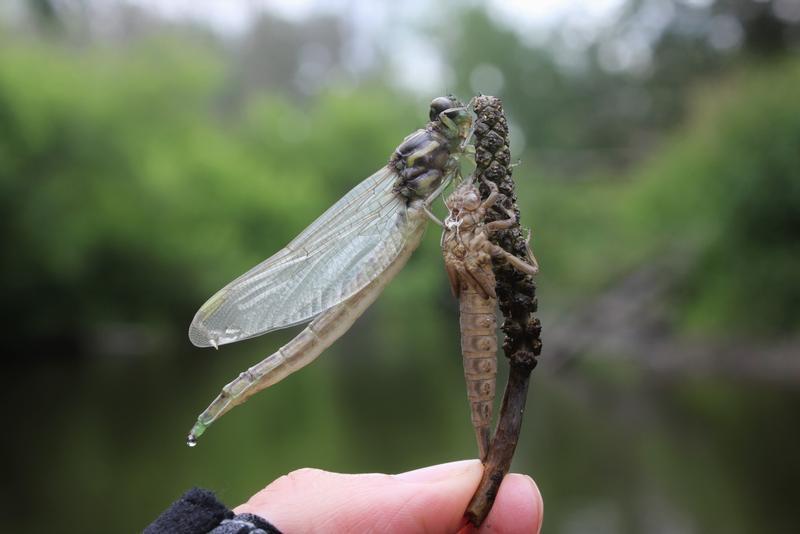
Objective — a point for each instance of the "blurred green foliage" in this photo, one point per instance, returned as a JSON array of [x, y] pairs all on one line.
[[727, 187]]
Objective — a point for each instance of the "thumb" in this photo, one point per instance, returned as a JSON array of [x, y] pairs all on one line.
[[432, 499]]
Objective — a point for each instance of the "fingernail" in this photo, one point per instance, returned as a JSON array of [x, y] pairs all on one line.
[[537, 496], [439, 472]]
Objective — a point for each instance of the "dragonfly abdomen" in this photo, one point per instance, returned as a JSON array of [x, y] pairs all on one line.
[[311, 341], [479, 354]]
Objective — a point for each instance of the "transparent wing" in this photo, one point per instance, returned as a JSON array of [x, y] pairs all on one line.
[[346, 248]]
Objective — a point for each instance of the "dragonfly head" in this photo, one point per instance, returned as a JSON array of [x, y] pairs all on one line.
[[456, 119]]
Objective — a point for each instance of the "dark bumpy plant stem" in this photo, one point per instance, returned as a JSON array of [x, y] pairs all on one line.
[[516, 295]]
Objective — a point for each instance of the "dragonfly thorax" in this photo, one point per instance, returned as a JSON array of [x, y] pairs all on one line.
[[431, 155]]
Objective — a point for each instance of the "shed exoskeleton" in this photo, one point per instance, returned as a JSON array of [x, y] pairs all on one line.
[[468, 255]]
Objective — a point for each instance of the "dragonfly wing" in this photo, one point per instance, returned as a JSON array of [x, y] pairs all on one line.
[[346, 248]]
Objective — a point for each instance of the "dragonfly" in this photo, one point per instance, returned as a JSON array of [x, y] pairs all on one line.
[[334, 269]]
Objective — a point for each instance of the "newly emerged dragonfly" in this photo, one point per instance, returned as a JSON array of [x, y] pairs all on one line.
[[335, 268]]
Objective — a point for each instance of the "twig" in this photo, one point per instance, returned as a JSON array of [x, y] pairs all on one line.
[[516, 293]]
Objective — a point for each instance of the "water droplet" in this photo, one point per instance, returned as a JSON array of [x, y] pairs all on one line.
[[192, 441]]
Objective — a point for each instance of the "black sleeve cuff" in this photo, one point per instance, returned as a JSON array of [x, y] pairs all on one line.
[[199, 512]]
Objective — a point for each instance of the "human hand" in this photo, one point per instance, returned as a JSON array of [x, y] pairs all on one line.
[[432, 499]]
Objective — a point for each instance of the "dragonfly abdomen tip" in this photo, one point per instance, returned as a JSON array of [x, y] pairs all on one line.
[[197, 430]]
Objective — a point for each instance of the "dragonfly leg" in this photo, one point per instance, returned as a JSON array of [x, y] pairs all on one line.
[[482, 278], [494, 194], [454, 278], [438, 191], [432, 216], [531, 258], [504, 224], [520, 265]]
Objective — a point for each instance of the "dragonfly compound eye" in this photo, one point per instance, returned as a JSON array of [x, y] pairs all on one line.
[[440, 104]]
